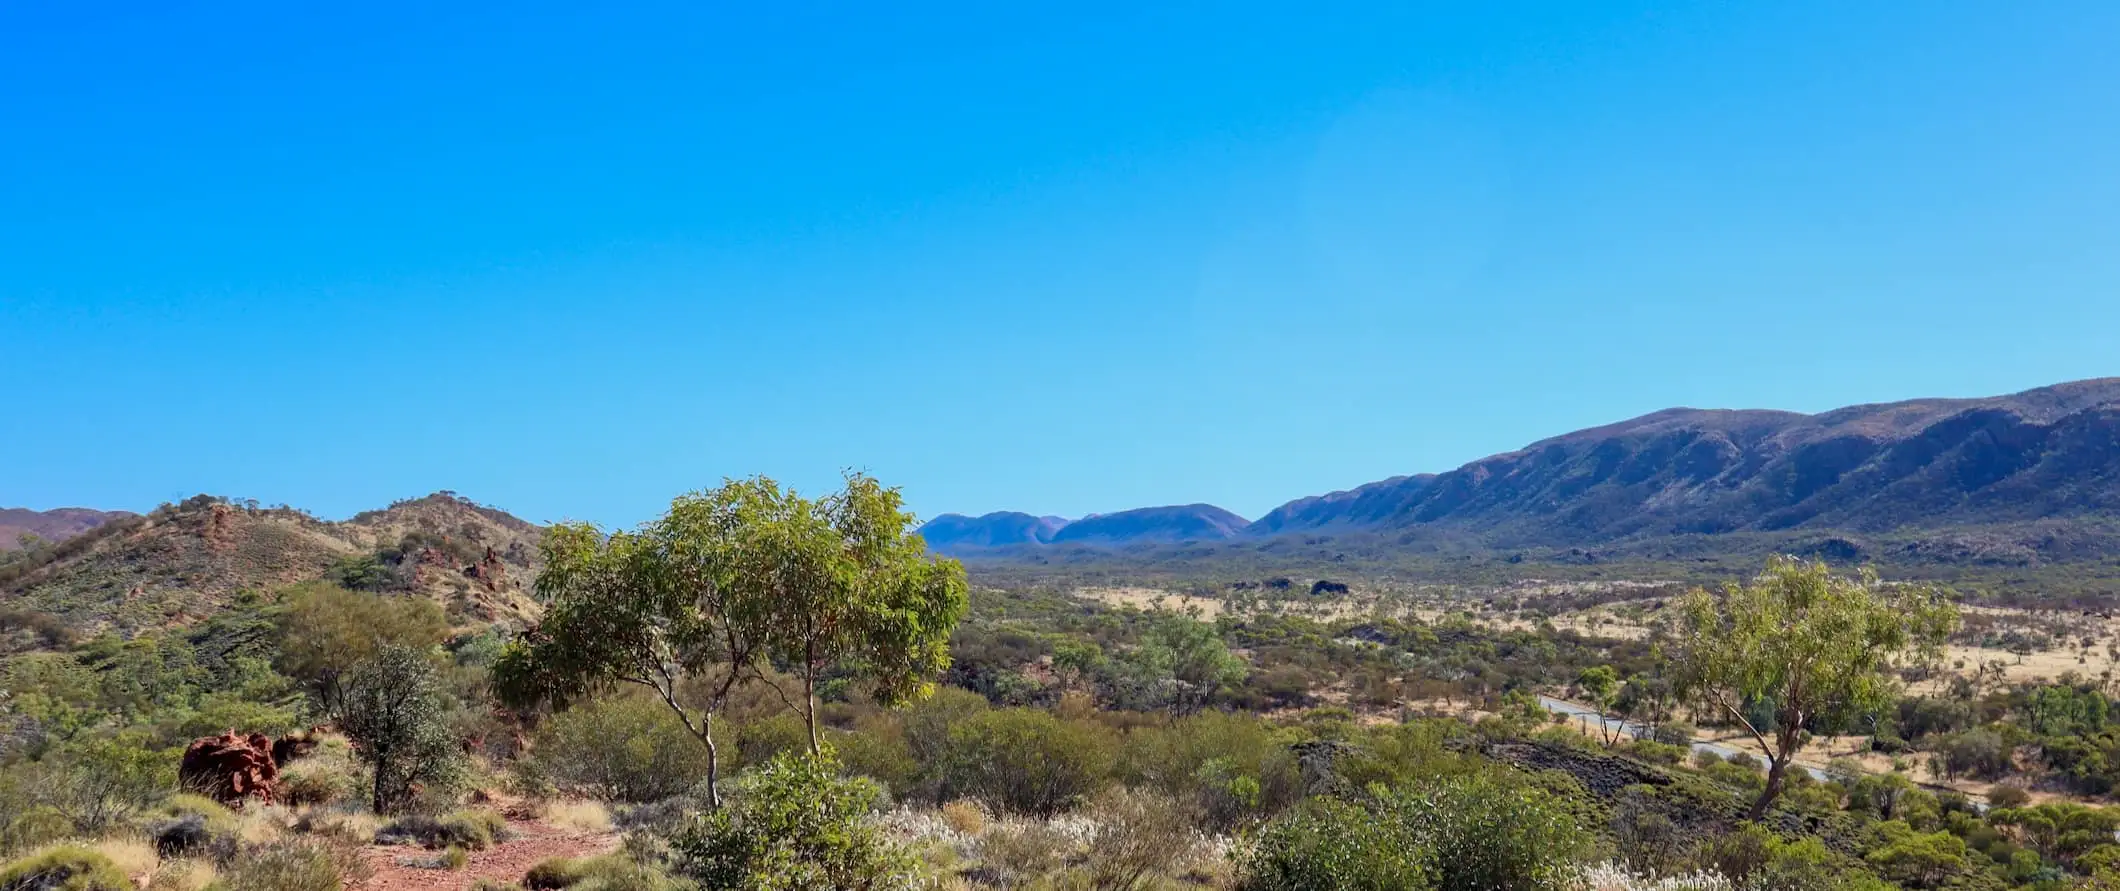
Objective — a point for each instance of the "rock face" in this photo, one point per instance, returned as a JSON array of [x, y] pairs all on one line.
[[233, 767]]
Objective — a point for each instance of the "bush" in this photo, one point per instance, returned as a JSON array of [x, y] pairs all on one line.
[[63, 868], [620, 749], [794, 823], [103, 782], [1471, 831], [293, 865], [392, 709], [610, 872], [1230, 767], [470, 829], [1139, 837], [1028, 761], [1329, 845]]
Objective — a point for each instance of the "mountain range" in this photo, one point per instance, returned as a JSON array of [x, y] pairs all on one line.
[[2042, 455]]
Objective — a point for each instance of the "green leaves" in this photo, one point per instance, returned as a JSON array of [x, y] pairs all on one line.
[[1805, 643]]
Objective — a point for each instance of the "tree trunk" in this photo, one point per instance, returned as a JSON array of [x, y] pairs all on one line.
[[809, 704], [713, 763], [1776, 771]]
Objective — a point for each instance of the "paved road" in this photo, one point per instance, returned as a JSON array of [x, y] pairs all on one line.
[[1585, 714], [1581, 713]]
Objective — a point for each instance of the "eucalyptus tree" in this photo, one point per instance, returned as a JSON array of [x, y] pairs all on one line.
[[1800, 644], [729, 580]]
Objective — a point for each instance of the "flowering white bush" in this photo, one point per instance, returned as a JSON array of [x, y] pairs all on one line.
[[1614, 877]]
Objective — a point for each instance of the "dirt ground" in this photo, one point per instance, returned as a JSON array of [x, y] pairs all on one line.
[[530, 842]]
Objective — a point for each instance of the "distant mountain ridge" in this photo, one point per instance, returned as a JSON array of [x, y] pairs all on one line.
[[52, 526], [2047, 454]]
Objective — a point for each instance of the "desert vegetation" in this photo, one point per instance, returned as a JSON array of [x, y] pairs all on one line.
[[764, 690]]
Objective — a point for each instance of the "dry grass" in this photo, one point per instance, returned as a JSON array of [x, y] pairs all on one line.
[[578, 816], [183, 875], [964, 816], [132, 856]]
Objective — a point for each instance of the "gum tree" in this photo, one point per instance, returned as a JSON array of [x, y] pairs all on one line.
[[1799, 644], [701, 600]]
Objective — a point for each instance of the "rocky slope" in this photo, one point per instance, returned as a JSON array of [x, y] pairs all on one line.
[[182, 561]]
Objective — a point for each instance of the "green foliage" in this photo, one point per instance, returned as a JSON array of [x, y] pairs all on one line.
[[619, 748], [326, 630], [63, 868], [473, 830], [1806, 642], [1459, 833], [1230, 767], [98, 783], [1916, 859], [727, 578], [392, 709], [610, 872], [1028, 761], [1332, 845], [794, 823]]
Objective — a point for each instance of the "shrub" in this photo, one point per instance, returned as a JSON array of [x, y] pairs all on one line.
[[471, 829], [1020, 852], [293, 865], [1028, 761], [63, 868], [2008, 796], [1329, 845], [100, 783], [795, 823], [1469, 831], [393, 712], [1139, 837], [610, 872], [622, 749], [1230, 767]]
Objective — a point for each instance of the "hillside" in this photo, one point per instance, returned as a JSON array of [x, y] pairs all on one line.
[[180, 562], [1933, 463], [1186, 522], [2005, 480], [52, 526]]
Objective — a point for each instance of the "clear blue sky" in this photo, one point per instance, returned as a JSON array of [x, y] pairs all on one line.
[[571, 259]]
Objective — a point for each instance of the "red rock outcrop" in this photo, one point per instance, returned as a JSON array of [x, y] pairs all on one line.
[[231, 767]]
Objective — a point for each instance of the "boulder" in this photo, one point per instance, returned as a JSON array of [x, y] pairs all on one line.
[[231, 768]]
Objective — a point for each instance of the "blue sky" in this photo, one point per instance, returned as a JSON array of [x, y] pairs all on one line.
[[572, 261]]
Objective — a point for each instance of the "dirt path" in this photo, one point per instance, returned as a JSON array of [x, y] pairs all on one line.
[[530, 843]]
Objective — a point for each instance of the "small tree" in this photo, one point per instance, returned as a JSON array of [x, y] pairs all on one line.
[[852, 587], [326, 630], [797, 825], [394, 713], [1600, 687], [1798, 644], [697, 600]]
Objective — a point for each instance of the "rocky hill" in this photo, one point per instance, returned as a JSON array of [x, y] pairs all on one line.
[[180, 562], [52, 526]]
